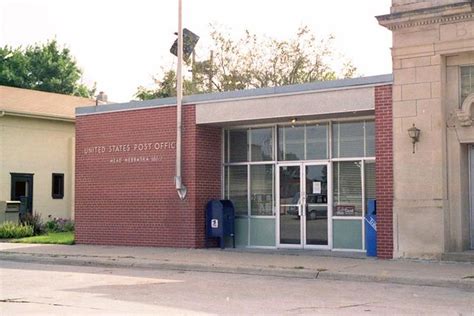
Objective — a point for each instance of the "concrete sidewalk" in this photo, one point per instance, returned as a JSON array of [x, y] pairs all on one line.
[[299, 264]]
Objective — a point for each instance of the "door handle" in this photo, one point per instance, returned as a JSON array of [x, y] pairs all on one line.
[[302, 205], [298, 205]]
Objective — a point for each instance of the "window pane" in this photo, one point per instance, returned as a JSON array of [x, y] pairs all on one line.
[[57, 191], [226, 146], [261, 146], [347, 188], [369, 139], [238, 143], [369, 171], [262, 232], [236, 188], [291, 143], [348, 139], [241, 231], [290, 185], [467, 82], [347, 234], [316, 141], [261, 188]]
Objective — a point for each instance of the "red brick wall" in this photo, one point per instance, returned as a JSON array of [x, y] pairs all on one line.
[[384, 170], [135, 203]]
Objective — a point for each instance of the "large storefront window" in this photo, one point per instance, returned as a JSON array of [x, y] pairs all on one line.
[[238, 145], [254, 156], [249, 183], [236, 188], [291, 143], [261, 148], [316, 141], [305, 142], [353, 139], [353, 186], [261, 190], [243, 145], [347, 188]]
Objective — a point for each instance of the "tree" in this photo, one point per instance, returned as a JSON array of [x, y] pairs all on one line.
[[46, 67], [254, 62]]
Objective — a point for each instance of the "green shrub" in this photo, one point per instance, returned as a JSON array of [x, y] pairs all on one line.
[[34, 221], [51, 226], [58, 224], [13, 230], [69, 226]]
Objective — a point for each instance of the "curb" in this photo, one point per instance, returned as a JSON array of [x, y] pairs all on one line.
[[323, 274]]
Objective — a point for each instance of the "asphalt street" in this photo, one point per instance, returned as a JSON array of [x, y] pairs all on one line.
[[28, 288]]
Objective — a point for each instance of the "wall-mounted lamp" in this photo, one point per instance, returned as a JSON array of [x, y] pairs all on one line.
[[293, 121], [414, 134]]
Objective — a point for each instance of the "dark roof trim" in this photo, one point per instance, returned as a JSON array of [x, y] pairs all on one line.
[[241, 94]]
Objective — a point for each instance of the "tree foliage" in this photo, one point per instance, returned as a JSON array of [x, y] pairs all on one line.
[[256, 62], [45, 67]]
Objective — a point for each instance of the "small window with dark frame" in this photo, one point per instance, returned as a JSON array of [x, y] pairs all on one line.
[[58, 186], [467, 82]]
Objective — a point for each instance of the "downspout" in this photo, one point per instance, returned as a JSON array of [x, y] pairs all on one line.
[[180, 188]]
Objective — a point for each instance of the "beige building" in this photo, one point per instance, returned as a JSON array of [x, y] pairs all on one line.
[[433, 89], [37, 150]]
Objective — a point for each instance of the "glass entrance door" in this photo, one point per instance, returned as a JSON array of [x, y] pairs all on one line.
[[316, 205], [290, 205], [303, 205]]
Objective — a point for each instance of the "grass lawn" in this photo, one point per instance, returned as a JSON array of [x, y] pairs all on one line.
[[66, 238]]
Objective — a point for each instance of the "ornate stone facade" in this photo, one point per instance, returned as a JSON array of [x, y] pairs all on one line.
[[431, 40], [464, 114]]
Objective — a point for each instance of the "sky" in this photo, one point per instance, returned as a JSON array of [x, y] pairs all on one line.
[[122, 44]]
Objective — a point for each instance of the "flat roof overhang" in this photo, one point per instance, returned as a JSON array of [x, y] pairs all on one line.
[[310, 101], [317, 105]]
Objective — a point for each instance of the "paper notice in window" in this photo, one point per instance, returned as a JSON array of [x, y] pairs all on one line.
[[316, 187]]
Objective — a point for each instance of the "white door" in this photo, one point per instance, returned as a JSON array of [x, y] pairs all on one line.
[[303, 201]]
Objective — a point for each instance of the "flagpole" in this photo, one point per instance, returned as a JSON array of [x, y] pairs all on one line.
[[179, 98]]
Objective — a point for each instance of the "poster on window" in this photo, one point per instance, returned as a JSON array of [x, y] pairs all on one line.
[[316, 187]]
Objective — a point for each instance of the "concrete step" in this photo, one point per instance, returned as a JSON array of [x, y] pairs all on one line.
[[464, 256]]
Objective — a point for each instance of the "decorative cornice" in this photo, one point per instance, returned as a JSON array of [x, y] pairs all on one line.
[[436, 15], [464, 114]]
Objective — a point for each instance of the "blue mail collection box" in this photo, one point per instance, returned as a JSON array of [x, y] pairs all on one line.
[[220, 217], [371, 228]]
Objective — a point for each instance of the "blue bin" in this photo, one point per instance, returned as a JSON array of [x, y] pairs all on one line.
[[371, 229], [220, 217]]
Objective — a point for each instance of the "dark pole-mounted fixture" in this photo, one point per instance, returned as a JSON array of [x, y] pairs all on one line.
[[190, 40], [414, 134]]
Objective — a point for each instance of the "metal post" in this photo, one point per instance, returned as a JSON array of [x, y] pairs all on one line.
[[179, 96]]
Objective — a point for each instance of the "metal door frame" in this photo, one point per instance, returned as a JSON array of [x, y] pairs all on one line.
[[302, 166]]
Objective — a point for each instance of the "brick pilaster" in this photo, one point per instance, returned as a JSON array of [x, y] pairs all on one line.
[[384, 170]]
